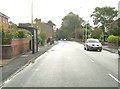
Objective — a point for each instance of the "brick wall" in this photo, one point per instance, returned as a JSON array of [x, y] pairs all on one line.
[[4, 23], [16, 47]]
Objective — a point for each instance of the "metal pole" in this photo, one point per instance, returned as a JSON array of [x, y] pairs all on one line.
[[86, 32], [32, 12], [33, 48], [83, 35]]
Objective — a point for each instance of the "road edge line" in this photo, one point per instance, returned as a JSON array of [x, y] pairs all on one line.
[[114, 78]]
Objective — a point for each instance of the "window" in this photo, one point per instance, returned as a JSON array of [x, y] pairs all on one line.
[[3, 20], [0, 19]]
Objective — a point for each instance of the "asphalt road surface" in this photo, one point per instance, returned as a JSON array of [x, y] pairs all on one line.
[[67, 64]]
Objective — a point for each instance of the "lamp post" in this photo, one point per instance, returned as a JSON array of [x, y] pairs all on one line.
[[86, 30], [32, 12]]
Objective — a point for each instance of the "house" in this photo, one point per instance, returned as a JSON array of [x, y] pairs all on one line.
[[50, 23], [47, 28], [4, 21]]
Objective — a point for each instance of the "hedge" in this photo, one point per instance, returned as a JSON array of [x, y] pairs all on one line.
[[113, 39], [13, 34]]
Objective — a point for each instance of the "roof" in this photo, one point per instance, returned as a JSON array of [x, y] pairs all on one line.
[[50, 23], [25, 25], [3, 15]]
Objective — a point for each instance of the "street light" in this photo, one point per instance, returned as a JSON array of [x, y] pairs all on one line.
[[86, 32], [32, 12]]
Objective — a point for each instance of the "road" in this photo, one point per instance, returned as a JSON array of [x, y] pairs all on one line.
[[67, 64]]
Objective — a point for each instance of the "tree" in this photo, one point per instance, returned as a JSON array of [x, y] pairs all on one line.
[[36, 24], [97, 33], [12, 26], [71, 25], [60, 34], [114, 29], [104, 16]]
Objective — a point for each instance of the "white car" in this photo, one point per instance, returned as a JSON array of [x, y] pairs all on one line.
[[93, 44], [119, 52]]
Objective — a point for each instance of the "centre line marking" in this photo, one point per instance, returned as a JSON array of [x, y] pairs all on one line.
[[114, 78], [92, 61]]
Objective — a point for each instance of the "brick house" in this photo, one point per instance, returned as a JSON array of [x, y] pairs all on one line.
[[47, 28], [4, 21]]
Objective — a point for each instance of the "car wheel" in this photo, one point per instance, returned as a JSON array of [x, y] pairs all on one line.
[[100, 50], [87, 49], [84, 48]]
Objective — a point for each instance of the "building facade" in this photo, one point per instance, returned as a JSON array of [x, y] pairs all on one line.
[[4, 21], [47, 28]]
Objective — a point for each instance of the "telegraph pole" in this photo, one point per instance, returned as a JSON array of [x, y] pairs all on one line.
[[33, 44], [32, 12]]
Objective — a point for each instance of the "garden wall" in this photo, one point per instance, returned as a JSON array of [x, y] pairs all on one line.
[[16, 47]]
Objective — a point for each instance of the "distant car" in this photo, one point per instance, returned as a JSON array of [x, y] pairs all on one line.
[[119, 52], [93, 44], [64, 39]]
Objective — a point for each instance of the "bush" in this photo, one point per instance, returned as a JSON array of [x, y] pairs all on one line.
[[14, 34], [113, 39], [1, 34], [41, 38], [21, 34], [7, 37]]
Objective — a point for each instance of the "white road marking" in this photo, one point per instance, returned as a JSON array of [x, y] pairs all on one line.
[[114, 78], [92, 61]]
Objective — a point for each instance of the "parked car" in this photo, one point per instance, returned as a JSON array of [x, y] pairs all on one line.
[[119, 52], [93, 44]]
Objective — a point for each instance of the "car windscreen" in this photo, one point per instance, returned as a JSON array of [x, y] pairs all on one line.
[[92, 41]]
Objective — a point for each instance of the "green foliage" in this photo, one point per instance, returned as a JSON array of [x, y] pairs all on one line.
[[61, 34], [37, 23], [104, 15], [41, 38], [113, 29], [71, 23], [113, 39], [12, 25], [1, 34], [96, 33], [14, 34], [105, 18], [23, 33]]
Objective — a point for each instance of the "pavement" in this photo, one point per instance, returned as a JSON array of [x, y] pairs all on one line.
[[22, 60], [112, 50]]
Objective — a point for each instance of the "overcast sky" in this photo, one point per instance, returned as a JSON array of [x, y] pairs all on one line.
[[19, 11]]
